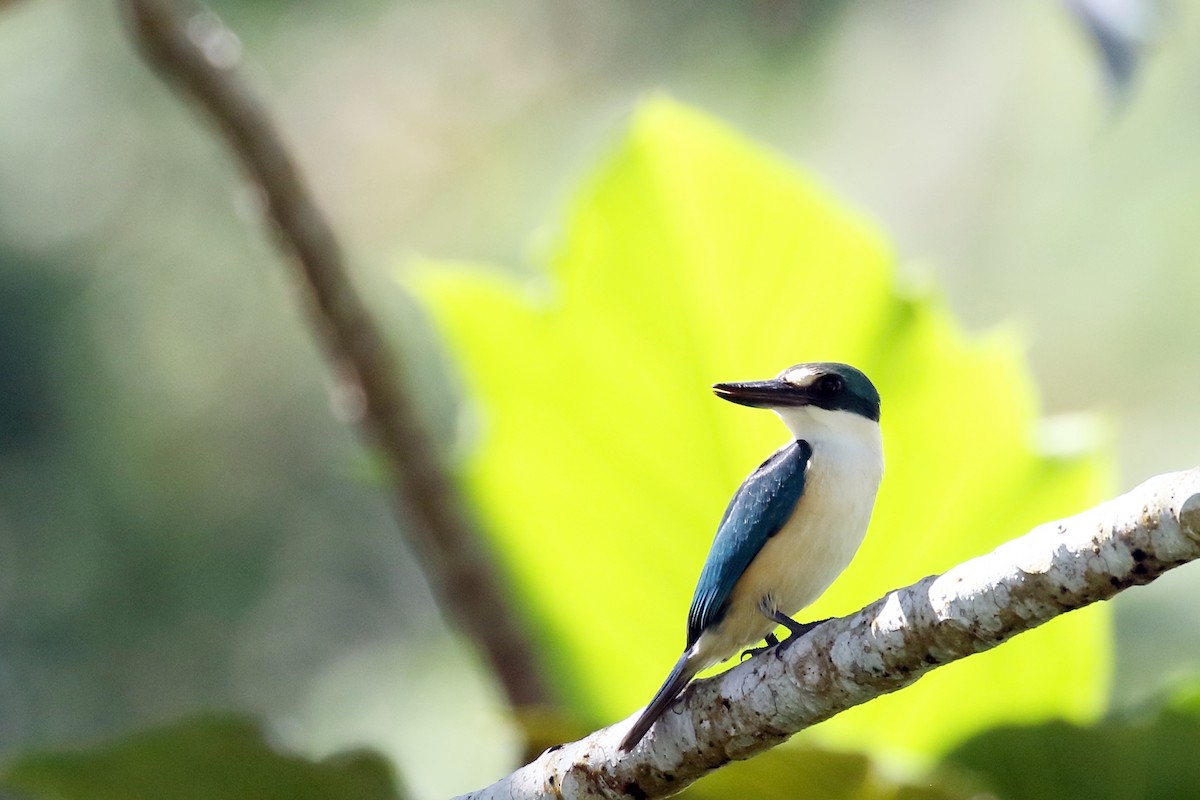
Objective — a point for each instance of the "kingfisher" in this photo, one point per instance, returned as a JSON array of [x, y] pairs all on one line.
[[792, 526]]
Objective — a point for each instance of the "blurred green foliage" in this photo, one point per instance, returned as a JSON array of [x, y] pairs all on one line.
[[603, 462], [32, 306], [202, 758], [1153, 754]]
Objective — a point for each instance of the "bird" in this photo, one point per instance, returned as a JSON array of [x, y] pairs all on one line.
[[792, 526]]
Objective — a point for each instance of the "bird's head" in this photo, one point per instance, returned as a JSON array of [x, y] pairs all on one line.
[[811, 397]]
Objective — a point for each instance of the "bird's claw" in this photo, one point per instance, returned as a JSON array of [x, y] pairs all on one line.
[[771, 641], [796, 630]]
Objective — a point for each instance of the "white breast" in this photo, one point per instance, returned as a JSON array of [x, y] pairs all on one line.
[[798, 563]]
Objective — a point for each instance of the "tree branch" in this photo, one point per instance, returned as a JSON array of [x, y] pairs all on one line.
[[460, 571], [1055, 568]]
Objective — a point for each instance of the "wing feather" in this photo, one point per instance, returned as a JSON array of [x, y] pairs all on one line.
[[759, 508]]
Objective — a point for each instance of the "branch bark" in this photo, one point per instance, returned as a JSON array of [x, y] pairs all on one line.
[[1055, 568], [460, 571]]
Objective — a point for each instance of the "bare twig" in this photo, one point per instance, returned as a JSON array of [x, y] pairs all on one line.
[[183, 49], [1053, 569]]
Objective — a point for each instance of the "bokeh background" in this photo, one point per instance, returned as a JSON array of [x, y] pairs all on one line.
[[187, 522]]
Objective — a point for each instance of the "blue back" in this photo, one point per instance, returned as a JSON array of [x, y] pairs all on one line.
[[759, 508]]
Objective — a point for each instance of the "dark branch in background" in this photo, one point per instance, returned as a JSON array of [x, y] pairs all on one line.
[[1053, 569], [458, 567]]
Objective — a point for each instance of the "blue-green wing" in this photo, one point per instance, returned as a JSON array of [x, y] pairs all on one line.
[[759, 508]]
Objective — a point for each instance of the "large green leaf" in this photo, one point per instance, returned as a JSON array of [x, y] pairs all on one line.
[[1151, 756], [203, 758], [603, 461]]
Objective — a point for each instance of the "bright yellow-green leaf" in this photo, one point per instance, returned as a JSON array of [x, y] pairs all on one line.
[[604, 462]]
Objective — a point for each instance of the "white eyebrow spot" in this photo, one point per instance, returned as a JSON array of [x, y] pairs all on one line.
[[799, 376]]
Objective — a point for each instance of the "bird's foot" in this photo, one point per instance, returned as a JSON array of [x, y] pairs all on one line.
[[771, 641], [796, 629]]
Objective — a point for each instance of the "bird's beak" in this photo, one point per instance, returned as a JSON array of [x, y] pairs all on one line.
[[761, 394]]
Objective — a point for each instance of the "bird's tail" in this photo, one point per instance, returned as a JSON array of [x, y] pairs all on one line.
[[672, 686]]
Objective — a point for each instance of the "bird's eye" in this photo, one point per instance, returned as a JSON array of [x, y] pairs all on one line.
[[830, 384]]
